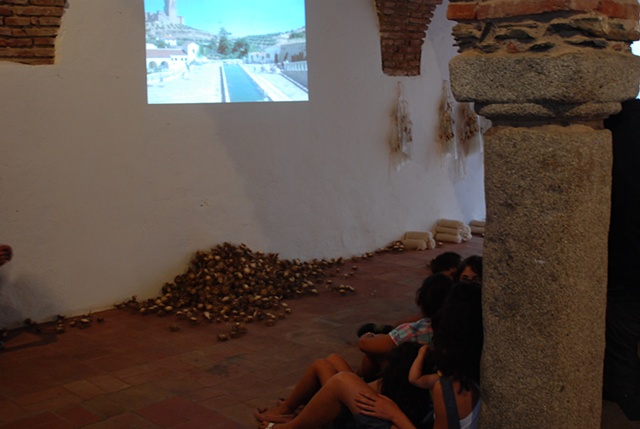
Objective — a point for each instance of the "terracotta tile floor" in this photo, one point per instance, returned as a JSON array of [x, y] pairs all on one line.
[[132, 372]]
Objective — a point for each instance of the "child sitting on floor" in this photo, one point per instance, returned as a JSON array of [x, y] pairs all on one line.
[[376, 347], [446, 263]]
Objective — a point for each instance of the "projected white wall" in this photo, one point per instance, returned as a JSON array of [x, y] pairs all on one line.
[[225, 51]]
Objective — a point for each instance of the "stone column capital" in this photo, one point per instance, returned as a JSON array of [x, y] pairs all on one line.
[[545, 61]]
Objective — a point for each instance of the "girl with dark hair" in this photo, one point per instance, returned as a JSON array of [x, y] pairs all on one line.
[[456, 350], [376, 347], [470, 270], [445, 263]]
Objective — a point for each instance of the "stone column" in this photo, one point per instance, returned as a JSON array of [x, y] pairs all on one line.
[[546, 72]]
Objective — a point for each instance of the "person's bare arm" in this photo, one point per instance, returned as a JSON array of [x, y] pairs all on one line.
[[384, 408], [416, 376], [377, 344], [439, 409]]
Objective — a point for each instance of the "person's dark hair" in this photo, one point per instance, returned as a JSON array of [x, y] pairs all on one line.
[[445, 261], [475, 263], [457, 342], [431, 295], [412, 400]]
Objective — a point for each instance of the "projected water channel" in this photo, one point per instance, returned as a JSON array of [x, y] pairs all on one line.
[[240, 86]]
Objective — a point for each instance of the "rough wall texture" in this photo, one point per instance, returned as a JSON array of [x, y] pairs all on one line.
[[28, 30], [543, 72], [547, 193], [403, 24], [547, 60]]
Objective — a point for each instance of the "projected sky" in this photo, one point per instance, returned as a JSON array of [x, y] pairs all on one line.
[[239, 17], [215, 51]]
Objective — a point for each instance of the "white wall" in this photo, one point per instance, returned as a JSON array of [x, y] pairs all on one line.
[[104, 196]]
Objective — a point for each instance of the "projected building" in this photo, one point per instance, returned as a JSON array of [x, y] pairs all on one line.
[[170, 14], [171, 59]]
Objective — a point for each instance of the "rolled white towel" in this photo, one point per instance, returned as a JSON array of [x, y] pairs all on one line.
[[431, 244], [477, 223], [447, 230], [451, 223], [418, 235], [451, 238], [414, 244], [466, 233], [477, 229]]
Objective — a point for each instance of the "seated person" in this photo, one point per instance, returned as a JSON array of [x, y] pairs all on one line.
[[445, 263], [335, 398], [376, 347], [390, 402], [316, 376], [456, 351], [470, 270]]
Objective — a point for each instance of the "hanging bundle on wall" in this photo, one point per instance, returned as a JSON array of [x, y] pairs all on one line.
[[470, 127], [401, 137], [446, 135]]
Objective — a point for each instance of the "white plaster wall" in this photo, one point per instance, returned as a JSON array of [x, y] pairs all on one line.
[[104, 197]]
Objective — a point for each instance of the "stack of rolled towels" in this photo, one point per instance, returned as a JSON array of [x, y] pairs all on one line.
[[452, 231], [418, 240], [477, 227]]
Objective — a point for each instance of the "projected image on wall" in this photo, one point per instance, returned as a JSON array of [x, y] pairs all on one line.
[[225, 51]]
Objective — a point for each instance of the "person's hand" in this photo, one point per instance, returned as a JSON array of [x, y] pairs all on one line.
[[6, 253], [380, 406]]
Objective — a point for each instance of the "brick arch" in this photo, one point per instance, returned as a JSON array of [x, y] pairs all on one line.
[[403, 26], [28, 30]]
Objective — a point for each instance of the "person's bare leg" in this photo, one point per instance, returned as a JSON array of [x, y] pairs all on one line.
[[339, 363], [326, 405], [316, 375]]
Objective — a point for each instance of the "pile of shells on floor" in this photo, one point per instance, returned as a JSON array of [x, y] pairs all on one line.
[[396, 246], [231, 283]]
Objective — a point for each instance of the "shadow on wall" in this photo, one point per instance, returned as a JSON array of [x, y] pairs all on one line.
[[23, 294]]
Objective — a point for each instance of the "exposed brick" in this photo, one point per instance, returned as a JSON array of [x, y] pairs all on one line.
[[30, 61], [27, 53], [403, 24], [17, 21], [6, 11], [38, 11], [41, 31], [47, 2], [461, 11], [16, 43], [16, 1], [44, 41], [18, 32], [4, 31], [616, 9], [508, 8], [49, 20]]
